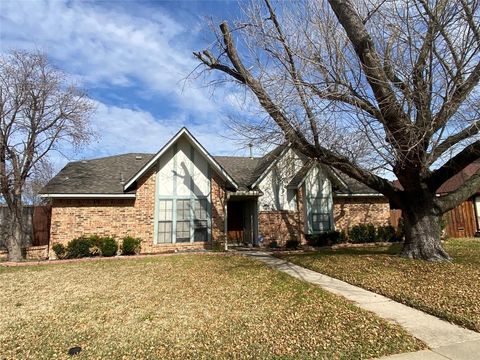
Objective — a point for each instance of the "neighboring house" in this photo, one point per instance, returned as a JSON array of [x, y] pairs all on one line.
[[182, 198], [464, 220]]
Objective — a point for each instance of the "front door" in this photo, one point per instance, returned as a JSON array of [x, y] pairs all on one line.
[[235, 222]]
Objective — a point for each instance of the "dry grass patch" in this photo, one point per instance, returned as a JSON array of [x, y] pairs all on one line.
[[182, 307], [448, 290]]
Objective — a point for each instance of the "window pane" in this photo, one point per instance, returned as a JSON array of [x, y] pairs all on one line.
[[201, 209], [183, 231], [165, 232], [165, 210], [200, 234], [183, 209], [320, 221]]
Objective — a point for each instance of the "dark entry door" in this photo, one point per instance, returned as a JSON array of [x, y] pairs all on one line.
[[235, 222]]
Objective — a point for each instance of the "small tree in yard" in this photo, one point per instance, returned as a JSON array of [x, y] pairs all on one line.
[[402, 74], [39, 110]]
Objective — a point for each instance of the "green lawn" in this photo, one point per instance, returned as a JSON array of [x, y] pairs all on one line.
[[447, 290], [187, 306]]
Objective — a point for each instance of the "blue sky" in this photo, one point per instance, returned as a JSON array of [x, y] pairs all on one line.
[[131, 57]]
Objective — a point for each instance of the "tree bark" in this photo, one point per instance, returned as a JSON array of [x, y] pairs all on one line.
[[14, 240], [422, 224]]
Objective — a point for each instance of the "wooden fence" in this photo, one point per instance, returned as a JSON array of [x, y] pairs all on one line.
[[37, 219], [460, 221]]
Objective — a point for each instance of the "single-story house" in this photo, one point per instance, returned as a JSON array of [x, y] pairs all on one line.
[[182, 197]]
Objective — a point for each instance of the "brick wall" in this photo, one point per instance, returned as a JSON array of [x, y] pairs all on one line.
[[283, 225], [36, 252], [72, 218], [279, 226], [348, 212], [218, 208]]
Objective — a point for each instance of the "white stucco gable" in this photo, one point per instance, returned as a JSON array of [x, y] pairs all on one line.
[[274, 184], [280, 185]]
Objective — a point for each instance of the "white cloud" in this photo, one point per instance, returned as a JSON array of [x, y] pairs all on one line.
[[123, 130], [110, 47]]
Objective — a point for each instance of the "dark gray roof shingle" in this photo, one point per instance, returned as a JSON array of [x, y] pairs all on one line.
[[241, 169], [105, 175], [97, 176], [353, 186]]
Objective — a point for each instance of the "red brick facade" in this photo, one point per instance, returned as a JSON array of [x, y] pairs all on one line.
[[351, 211], [219, 199], [72, 218], [281, 226]]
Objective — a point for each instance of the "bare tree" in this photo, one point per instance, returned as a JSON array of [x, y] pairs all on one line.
[[402, 73], [41, 174], [39, 110]]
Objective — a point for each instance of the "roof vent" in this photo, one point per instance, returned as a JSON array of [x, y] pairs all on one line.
[[138, 157], [84, 161], [122, 180]]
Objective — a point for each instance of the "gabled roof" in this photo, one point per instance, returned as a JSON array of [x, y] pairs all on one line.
[[267, 162], [300, 176], [458, 179], [242, 169], [114, 176], [337, 183], [353, 187], [183, 132], [104, 176]]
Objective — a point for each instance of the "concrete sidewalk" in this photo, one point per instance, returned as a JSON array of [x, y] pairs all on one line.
[[445, 340]]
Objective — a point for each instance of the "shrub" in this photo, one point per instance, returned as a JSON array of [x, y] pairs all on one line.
[[95, 245], [386, 233], [292, 244], [362, 233], [324, 239], [59, 250], [218, 246], [108, 246], [79, 247], [130, 245], [273, 244]]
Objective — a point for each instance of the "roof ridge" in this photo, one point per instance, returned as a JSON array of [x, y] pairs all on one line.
[[110, 157]]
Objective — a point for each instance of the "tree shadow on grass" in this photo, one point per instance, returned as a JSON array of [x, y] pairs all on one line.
[[393, 249]]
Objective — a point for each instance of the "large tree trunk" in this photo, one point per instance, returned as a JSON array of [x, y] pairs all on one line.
[[14, 241], [15, 236], [423, 232]]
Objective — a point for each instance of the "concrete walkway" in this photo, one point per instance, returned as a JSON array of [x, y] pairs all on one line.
[[445, 340]]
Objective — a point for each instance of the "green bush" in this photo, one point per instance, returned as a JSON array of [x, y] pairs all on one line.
[[273, 244], [292, 244], [324, 239], [108, 246], [59, 250], [79, 247], [218, 246], [386, 233], [362, 233], [92, 245], [130, 245]]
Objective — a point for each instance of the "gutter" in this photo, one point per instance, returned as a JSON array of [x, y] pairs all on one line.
[[359, 195], [88, 196]]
